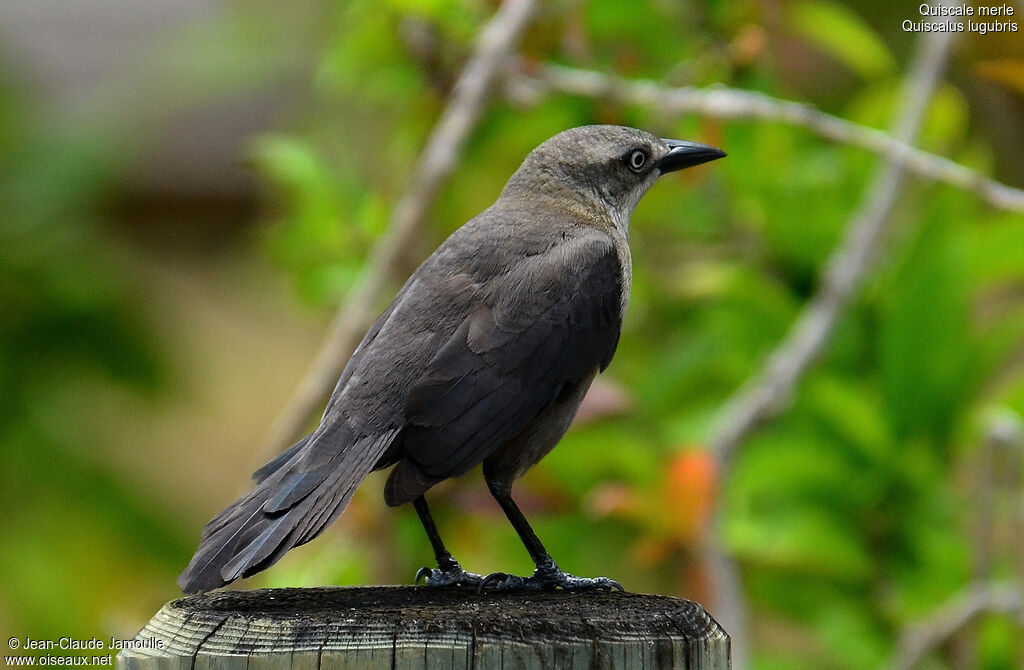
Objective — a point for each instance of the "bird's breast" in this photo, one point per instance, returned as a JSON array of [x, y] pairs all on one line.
[[625, 268]]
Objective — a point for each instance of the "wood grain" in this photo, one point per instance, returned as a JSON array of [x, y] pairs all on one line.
[[426, 628]]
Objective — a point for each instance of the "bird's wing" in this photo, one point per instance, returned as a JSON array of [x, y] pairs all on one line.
[[288, 507], [551, 320], [308, 455], [297, 495]]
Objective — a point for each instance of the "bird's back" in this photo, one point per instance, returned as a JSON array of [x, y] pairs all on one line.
[[534, 312], [478, 342]]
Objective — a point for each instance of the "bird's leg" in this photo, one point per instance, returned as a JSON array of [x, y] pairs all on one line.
[[547, 575], [448, 571]]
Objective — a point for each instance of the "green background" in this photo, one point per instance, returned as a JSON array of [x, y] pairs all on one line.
[[149, 335]]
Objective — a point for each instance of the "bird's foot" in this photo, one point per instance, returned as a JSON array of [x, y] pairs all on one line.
[[449, 574], [547, 579]]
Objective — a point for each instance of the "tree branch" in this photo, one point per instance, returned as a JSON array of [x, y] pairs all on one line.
[[954, 616], [770, 390], [997, 466], [496, 43], [730, 103], [767, 392]]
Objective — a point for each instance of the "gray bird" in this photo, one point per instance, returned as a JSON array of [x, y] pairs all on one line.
[[483, 357]]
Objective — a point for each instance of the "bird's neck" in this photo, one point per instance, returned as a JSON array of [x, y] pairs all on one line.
[[582, 204]]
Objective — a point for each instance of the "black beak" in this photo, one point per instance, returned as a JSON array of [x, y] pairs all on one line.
[[685, 154]]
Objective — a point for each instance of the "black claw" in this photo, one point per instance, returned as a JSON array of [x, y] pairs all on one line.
[[556, 578], [491, 580], [586, 583], [502, 581], [448, 575], [547, 579]]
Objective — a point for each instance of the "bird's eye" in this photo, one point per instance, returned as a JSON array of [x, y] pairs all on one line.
[[636, 160]]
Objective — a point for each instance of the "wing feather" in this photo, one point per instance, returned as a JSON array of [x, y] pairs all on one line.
[[550, 320]]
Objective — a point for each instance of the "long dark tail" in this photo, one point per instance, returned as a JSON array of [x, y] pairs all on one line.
[[297, 495]]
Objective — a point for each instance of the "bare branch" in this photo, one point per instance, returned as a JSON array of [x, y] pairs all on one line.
[[1003, 436], [954, 616], [730, 103], [494, 47], [767, 392]]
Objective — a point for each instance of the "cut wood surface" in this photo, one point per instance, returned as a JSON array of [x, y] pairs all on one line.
[[420, 627]]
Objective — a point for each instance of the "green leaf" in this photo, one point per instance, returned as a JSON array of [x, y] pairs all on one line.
[[926, 351], [947, 118], [850, 410], [843, 34], [804, 539], [995, 250]]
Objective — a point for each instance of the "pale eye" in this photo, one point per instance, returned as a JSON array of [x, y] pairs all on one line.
[[636, 160]]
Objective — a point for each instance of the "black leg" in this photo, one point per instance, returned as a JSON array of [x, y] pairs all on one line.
[[441, 554], [538, 553], [548, 575], [448, 570]]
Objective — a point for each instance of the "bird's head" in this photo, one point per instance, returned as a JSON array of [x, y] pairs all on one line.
[[605, 168]]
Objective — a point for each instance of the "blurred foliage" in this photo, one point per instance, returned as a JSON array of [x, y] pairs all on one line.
[[66, 320], [853, 514]]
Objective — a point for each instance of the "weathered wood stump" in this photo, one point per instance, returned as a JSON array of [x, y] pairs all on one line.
[[409, 627]]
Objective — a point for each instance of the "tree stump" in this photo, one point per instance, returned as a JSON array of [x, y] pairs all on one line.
[[410, 627]]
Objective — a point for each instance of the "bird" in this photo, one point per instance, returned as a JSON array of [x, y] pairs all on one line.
[[484, 356]]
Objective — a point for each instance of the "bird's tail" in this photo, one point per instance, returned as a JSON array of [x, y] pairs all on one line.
[[296, 496]]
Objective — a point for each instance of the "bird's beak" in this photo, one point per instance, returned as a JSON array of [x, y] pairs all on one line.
[[683, 154]]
